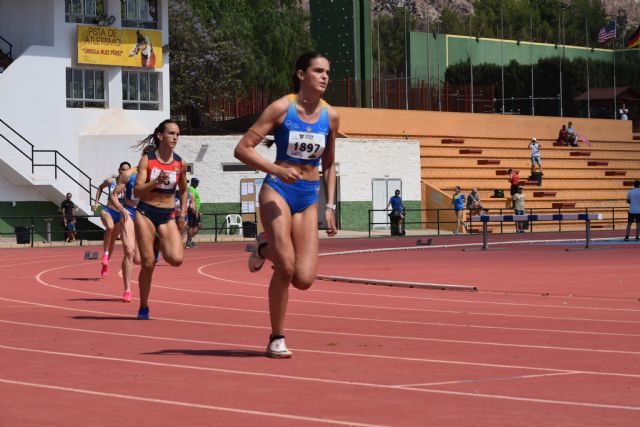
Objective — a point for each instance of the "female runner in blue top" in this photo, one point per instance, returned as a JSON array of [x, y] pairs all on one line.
[[110, 217], [305, 129]]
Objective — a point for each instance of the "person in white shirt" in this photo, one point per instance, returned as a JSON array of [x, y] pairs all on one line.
[[535, 155]]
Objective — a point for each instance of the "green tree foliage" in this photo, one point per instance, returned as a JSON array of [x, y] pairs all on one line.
[[230, 46], [392, 41], [546, 75]]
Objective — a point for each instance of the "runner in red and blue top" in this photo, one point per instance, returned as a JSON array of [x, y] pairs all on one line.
[[160, 171], [305, 129]]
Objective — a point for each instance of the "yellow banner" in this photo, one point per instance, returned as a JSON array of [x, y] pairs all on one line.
[[123, 47]]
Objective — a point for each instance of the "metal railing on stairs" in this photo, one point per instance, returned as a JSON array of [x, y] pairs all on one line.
[[59, 159], [6, 53]]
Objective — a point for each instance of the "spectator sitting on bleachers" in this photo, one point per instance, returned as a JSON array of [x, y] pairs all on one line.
[[473, 203], [573, 137], [563, 136]]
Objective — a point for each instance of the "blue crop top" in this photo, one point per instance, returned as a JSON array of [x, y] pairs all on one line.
[[128, 189], [301, 142]]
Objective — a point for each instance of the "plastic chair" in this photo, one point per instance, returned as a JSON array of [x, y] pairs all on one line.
[[233, 220]]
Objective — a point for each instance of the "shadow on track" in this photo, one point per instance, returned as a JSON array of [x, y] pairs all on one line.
[[219, 353]]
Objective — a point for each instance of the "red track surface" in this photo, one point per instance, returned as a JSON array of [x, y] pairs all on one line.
[[551, 338]]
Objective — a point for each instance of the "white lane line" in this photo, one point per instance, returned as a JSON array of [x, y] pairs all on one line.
[[324, 353], [187, 404], [328, 381], [377, 308], [379, 320], [489, 379], [537, 306], [362, 335]]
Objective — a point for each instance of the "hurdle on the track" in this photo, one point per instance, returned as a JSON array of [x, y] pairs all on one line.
[[90, 255], [421, 242], [399, 284], [587, 218]]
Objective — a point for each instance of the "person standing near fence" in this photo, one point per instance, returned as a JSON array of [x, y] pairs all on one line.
[[397, 214], [633, 198], [518, 206], [160, 171], [195, 221], [68, 210], [458, 202], [305, 129]]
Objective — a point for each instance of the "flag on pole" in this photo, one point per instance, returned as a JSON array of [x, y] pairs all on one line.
[[634, 40], [607, 32]]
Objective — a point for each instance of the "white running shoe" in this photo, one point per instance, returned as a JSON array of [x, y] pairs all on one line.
[[277, 349], [256, 261]]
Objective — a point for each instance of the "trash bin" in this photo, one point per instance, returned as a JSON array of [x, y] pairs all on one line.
[[248, 229], [22, 235]]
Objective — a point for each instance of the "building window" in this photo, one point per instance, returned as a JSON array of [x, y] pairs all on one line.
[[140, 90], [83, 11], [236, 167], [85, 88], [139, 13]]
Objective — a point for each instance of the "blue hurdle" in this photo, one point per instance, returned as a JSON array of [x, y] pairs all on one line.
[[587, 218]]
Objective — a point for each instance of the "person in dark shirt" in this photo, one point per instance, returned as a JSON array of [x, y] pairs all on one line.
[[397, 213], [68, 210]]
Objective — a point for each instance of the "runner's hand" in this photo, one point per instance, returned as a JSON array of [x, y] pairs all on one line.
[[330, 216], [288, 174]]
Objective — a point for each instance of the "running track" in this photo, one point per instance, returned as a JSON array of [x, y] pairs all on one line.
[[551, 338]]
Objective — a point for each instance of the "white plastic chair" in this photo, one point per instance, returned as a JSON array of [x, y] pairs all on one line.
[[233, 220]]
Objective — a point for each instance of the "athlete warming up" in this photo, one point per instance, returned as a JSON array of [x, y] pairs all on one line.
[[127, 209], [305, 129], [110, 217], [159, 172]]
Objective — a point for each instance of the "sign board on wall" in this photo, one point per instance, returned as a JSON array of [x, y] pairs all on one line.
[[123, 47]]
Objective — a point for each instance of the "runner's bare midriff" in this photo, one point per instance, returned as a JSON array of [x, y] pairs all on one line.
[[307, 172]]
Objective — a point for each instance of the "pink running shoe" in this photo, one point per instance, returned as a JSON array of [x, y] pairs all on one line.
[[105, 265], [126, 296]]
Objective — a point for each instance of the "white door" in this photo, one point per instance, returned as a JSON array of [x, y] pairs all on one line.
[[383, 189]]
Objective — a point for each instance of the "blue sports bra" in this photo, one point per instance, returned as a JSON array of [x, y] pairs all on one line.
[[301, 142], [128, 189]]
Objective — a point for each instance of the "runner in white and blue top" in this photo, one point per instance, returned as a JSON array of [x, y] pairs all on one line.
[[126, 207], [110, 217], [305, 129]]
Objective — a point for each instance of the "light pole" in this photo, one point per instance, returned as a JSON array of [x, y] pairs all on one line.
[[563, 7]]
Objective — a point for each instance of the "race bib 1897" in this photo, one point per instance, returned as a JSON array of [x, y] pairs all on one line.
[[305, 145]]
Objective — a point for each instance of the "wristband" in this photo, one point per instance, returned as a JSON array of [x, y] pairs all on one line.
[[331, 207]]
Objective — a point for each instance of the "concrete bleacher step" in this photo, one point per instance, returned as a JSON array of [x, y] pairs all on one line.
[[488, 162], [563, 205], [544, 194]]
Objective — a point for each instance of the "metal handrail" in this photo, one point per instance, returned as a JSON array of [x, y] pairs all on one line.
[[593, 209], [10, 53], [55, 164]]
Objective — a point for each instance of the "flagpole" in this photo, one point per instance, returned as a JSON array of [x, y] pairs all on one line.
[[615, 100], [586, 35]]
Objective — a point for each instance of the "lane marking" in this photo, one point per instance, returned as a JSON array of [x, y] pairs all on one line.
[[187, 404], [480, 380], [328, 381], [537, 306], [44, 283]]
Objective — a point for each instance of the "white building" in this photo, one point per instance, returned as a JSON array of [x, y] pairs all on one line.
[[85, 112]]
